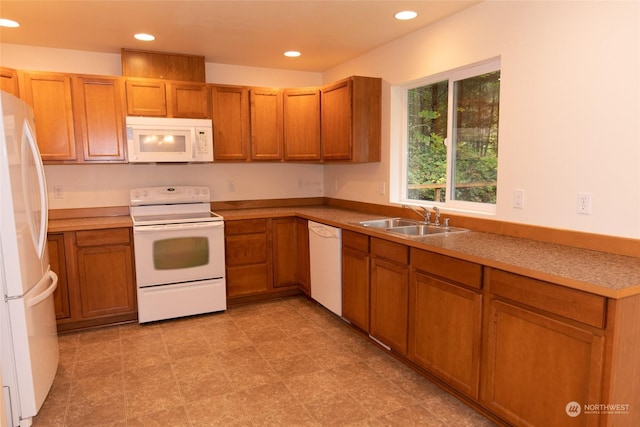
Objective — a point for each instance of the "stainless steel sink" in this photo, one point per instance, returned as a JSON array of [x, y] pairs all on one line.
[[409, 227], [424, 230], [388, 222]]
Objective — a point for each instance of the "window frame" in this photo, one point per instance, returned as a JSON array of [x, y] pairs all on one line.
[[402, 90]]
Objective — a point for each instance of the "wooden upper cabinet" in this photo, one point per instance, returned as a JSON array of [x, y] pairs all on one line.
[[230, 114], [99, 111], [302, 124], [162, 65], [146, 97], [188, 100], [9, 81], [160, 98], [266, 124], [50, 96], [351, 120]]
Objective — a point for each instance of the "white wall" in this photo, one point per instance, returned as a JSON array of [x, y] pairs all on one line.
[[570, 114], [108, 185], [570, 106]]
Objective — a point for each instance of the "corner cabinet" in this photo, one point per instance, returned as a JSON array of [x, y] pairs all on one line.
[[351, 120], [96, 277], [261, 258]]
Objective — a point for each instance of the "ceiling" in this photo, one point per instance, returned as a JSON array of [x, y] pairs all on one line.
[[239, 32]]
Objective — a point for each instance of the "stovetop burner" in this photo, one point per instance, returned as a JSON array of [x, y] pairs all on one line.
[[171, 205]]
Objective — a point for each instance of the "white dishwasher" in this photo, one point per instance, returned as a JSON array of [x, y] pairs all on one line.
[[325, 250]]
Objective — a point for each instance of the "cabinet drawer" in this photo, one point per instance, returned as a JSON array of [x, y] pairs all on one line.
[[355, 240], [246, 226], [246, 250], [113, 236], [456, 270], [392, 251], [570, 303]]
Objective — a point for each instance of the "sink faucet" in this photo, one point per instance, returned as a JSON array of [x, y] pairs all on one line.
[[425, 212], [437, 211]]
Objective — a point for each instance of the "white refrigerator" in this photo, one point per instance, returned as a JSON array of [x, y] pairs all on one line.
[[29, 341]]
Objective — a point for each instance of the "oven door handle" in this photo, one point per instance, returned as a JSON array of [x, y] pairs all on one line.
[[181, 227]]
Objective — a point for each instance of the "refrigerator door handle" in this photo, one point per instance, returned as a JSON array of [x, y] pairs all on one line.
[[39, 231], [45, 294]]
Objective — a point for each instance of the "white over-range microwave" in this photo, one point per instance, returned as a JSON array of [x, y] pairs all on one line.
[[169, 140]]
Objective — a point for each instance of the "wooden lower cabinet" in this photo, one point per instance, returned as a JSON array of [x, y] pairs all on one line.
[[96, 277], [389, 289], [303, 267], [58, 262], [355, 278], [444, 331], [536, 363], [247, 257], [285, 254], [261, 256]]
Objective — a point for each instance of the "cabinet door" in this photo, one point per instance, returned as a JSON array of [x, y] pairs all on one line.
[[336, 121], [50, 96], [58, 263], [105, 272], [266, 124], [99, 108], [247, 257], [9, 81], [302, 124], [285, 256], [188, 100], [355, 287], [230, 112], [146, 97], [444, 331], [534, 366], [389, 303], [303, 268]]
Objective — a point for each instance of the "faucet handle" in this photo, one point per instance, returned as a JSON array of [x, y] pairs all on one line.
[[427, 216]]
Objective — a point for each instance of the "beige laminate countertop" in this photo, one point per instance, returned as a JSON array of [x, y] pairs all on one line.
[[600, 273]]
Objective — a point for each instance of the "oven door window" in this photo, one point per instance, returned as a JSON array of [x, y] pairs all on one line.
[[180, 252]]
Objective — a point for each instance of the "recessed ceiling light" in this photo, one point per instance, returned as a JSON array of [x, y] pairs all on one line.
[[405, 15], [292, 53], [144, 37], [8, 23]]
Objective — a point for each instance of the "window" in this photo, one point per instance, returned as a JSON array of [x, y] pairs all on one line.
[[451, 138]]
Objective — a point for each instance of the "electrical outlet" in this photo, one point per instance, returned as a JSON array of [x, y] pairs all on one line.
[[518, 199], [584, 204], [382, 188], [58, 192], [231, 186]]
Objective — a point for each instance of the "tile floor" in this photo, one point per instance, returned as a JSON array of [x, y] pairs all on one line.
[[284, 362]]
